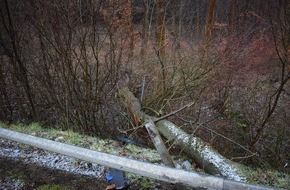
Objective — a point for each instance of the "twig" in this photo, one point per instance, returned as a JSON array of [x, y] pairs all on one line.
[[143, 88], [161, 118], [234, 142], [243, 157], [213, 131], [173, 113]]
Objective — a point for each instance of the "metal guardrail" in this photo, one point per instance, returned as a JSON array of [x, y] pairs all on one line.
[[162, 173]]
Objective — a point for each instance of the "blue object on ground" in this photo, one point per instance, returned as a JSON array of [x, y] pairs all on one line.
[[118, 178], [109, 177]]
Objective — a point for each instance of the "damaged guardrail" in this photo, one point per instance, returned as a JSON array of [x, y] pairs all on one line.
[[162, 173]]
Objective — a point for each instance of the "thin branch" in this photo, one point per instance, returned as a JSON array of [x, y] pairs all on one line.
[[163, 117], [174, 112], [213, 131]]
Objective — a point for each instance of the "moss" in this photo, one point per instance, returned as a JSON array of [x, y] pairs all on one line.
[[34, 127], [146, 184], [16, 175], [143, 183]]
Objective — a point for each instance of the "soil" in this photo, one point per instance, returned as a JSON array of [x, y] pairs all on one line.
[[15, 175], [30, 176]]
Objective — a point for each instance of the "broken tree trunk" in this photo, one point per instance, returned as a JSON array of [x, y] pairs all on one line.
[[160, 147], [206, 156], [158, 143]]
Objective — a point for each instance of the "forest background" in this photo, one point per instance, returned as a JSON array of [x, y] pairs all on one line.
[[62, 63]]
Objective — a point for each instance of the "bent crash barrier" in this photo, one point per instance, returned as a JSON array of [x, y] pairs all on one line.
[[158, 172]]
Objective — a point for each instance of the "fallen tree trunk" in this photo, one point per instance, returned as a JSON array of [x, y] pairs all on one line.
[[206, 156], [158, 143], [161, 148]]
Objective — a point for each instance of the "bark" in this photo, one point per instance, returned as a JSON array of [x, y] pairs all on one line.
[[158, 143], [205, 155], [15, 57], [288, 22], [232, 14], [145, 32], [130, 28], [161, 148], [8, 111], [160, 32], [210, 20], [177, 22], [198, 18]]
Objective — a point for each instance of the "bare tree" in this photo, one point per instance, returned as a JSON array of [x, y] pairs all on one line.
[[282, 50], [14, 51], [160, 31], [210, 20]]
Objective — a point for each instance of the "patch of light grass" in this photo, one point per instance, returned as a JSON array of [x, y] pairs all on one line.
[[74, 138], [18, 127], [30, 129], [68, 136], [34, 127]]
